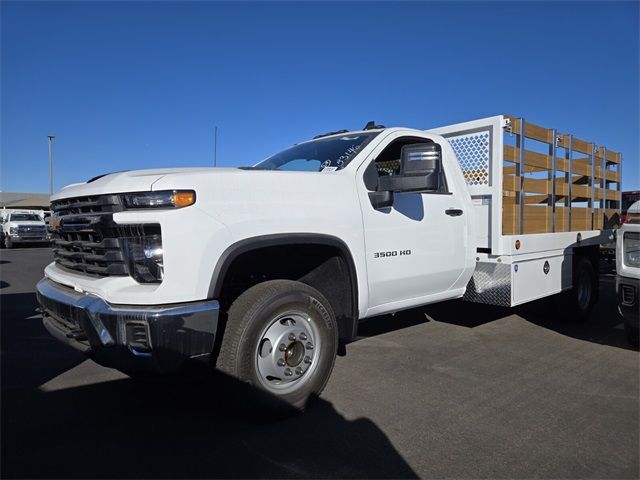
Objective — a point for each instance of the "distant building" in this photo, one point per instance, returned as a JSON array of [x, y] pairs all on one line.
[[30, 201]]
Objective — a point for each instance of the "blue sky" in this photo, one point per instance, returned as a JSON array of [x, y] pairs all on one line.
[[128, 85]]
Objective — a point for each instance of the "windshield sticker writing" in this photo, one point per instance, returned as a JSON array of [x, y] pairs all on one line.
[[350, 152]]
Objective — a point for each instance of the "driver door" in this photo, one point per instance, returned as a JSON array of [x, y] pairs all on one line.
[[414, 249]]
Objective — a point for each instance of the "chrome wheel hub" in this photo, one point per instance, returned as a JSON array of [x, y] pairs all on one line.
[[287, 351]]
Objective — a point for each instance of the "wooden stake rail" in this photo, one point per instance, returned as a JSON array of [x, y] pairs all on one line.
[[536, 162], [576, 172]]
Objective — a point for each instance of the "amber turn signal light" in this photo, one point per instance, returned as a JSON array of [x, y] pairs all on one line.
[[183, 199]]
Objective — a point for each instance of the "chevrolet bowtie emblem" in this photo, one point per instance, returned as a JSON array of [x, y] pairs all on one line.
[[54, 223]]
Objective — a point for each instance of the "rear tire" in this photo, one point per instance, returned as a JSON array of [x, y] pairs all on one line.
[[281, 338], [580, 299]]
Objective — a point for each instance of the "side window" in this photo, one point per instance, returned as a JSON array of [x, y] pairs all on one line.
[[388, 163]]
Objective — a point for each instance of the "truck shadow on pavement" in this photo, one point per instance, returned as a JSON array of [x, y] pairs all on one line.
[[604, 326], [200, 428], [30, 356], [127, 428]]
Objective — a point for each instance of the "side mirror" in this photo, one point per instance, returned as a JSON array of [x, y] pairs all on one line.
[[420, 170]]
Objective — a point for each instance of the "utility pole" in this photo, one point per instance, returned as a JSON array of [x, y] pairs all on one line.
[[215, 146], [51, 137]]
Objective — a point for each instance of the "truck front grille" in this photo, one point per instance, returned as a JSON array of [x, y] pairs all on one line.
[[86, 243], [86, 239], [82, 253], [27, 231], [87, 205]]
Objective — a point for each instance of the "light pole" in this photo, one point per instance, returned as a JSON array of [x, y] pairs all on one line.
[[51, 137], [215, 146]]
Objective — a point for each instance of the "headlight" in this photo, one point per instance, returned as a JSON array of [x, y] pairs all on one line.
[[145, 256], [631, 249], [13, 230], [162, 199]]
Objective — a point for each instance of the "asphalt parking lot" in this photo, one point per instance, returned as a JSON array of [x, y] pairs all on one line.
[[451, 390]]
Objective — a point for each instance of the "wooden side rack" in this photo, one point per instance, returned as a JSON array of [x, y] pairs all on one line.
[[570, 185]]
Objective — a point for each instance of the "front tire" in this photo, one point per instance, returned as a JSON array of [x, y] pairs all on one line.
[[7, 242], [281, 338]]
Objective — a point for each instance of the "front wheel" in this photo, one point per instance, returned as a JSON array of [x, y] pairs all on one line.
[[7, 242], [281, 338]]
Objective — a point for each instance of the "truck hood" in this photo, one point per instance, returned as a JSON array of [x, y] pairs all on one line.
[[246, 199], [243, 183], [262, 198], [218, 181], [120, 182]]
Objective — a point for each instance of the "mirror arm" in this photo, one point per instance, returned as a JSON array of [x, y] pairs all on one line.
[[381, 199]]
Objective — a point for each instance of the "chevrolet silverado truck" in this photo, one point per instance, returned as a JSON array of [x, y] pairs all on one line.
[[22, 226], [261, 271]]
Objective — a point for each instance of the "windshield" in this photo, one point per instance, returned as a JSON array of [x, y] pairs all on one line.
[[324, 154], [25, 217]]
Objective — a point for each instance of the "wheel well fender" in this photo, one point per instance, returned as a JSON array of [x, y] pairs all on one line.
[[321, 261]]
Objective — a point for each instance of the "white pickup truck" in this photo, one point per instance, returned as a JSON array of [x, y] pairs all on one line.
[[22, 226], [262, 270]]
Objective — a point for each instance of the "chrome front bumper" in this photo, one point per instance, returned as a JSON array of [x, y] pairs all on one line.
[[130, 338]]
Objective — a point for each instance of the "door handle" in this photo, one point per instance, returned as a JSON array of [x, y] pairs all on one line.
[[453, 212]]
